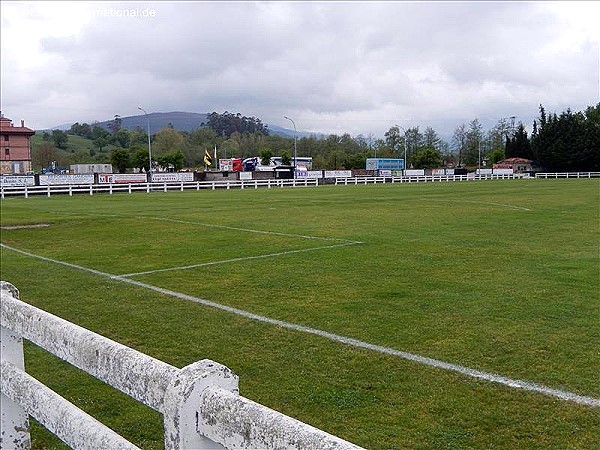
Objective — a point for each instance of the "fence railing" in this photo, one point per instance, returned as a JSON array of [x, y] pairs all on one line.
[[200, 403], [568, 175], [427, 179], [92, 189]]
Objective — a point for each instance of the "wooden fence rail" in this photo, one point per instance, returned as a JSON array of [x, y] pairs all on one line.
[[200, 403]]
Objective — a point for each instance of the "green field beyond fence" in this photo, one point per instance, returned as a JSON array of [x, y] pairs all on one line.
[[497, 277]]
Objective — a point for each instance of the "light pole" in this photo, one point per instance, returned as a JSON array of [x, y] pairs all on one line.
[[295, 139], [149, 148]]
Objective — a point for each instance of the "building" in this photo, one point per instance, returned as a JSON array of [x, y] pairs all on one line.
[[15, 152], [518, 165]]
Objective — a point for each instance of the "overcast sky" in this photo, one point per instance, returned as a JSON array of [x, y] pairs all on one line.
[[333, 67]]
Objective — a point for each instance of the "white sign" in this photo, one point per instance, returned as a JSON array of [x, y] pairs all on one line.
[[172, 177], [11, 180], [315, 174], [503, 171], [245, 175], [414, 173], [338, 174], [60, 179], [110, 178]]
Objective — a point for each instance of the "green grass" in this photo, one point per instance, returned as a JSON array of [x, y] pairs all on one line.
[[497, 276]]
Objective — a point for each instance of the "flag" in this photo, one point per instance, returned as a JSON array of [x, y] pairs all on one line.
[[207, 158], [215, 153]]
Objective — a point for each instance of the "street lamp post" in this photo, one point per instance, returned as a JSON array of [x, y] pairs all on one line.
[[149, 147], [295, 139]]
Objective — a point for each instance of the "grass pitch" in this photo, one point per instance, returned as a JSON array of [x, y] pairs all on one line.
[[500, 277]]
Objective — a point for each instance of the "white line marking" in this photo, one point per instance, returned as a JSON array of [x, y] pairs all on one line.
[[491, 377], [19, 227], [247, 230], [245, 258]]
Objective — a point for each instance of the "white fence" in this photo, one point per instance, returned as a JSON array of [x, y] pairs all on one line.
[[200, 404], [427, 179], [112, 188], [92, 189], [568, 175]]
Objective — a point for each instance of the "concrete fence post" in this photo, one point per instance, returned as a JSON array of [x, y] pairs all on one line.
[[182, 401], [14, 421]]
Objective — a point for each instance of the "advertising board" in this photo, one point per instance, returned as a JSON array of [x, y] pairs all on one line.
[[338, 174], [15, 180], [384, 163], [175, 177], [121, 178], [64, 179]]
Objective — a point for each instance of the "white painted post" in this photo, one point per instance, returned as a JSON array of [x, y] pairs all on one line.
[[14, 423], [182, 400]]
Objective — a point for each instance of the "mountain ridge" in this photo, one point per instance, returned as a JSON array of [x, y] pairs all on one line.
[[180, 120]]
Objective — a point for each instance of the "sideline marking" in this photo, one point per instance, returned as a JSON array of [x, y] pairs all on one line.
[[245, 258], [473, 373]]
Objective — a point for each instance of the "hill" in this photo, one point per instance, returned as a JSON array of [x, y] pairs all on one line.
[[180, 120]]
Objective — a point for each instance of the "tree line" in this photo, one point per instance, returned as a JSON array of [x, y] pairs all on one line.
[[566, 142]]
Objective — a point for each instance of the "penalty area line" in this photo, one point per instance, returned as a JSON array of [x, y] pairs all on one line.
[[473, 373]]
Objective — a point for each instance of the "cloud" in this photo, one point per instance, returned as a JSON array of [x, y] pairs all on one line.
[[362, 66]]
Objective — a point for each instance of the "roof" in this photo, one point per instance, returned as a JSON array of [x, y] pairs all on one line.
[[6, 127], [515, 161]]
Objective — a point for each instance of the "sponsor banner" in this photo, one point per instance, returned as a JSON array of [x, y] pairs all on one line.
[[117, 178], [384, 163], [503, 171], [13, 180], [315, 174], [385, 173], [338, 174], [172, 177], [415, 172], [64, 179], [226, 165], [438, 171], [245, 175], [484, 171]]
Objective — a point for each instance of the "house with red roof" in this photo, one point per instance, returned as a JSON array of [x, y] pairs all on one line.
[[15, 147], [518, 165]]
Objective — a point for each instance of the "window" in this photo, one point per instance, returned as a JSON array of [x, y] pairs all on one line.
[[7, 152]]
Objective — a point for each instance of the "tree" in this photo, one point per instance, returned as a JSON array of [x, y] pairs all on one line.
[[569, 142], [495, 155], [286, 159], [174, 161], [227, 123], [115, 125], [460, 141], [394, 140], [60, 139], [168, 141], [473, 143], [139, 159], [43, 154], [427, 158], [265, 156], [100, 143], [519, 146], [120, 159], [121, 138]]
